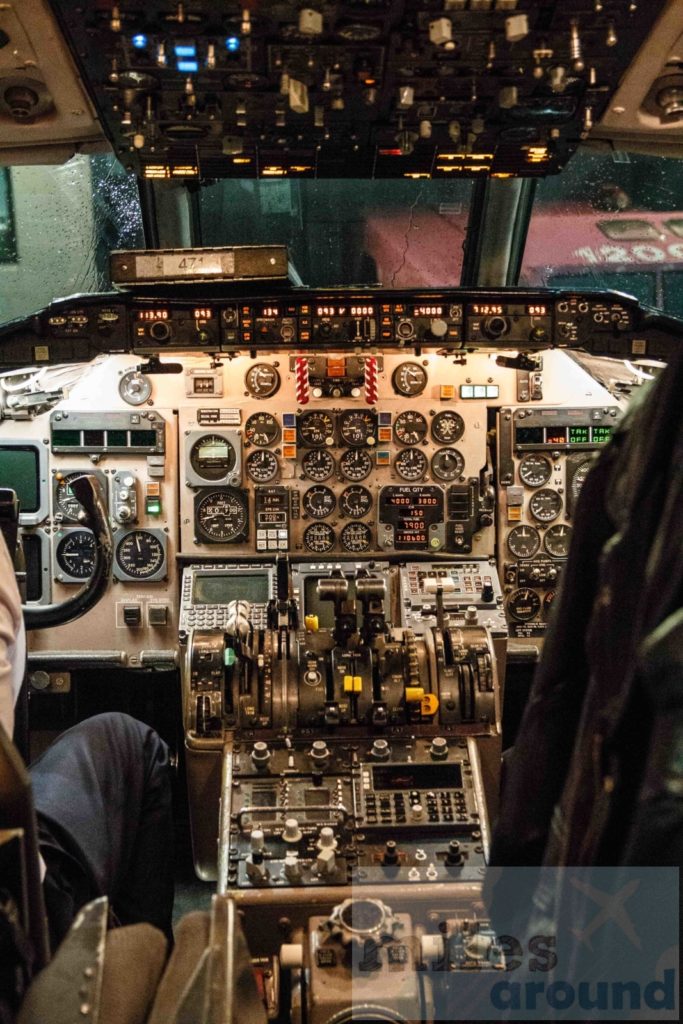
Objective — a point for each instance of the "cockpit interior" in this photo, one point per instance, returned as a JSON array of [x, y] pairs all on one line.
[[315, 318]]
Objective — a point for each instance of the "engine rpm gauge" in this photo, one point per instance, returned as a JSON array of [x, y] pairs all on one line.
[[262, 466], [355, 464], [524, 604], [316, 429], [318, 464], [140, 555], [545, 505], [447, 427], [409, 379], [262, 380], [411, 464], [579, 478], [535, 470], [319, 502], [410, 427], [221, 516], [523, 541], [356, 537], [319, 537], [355, 502], [262, 429], [75, 555], [447, 464], [357, 428], [556, 540]]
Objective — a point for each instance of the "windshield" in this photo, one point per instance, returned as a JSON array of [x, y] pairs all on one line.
[[390, 233], [610, 221], [57, 226]]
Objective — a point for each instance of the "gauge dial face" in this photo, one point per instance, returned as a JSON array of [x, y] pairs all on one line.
[[447, 427], [411, 464], [524, 604], [140, 554], [355, 464], [357, 428], [135, 388], [66, 503], [262, 466], [316, 429], [523, 541], [75, 554], [409, 379], [545, 505], [212, 457], [262, 380], [580, 478], [410, 427], [318, 464], [319, 537], [535, 470], [222, 517], [319, 502], [447, 464], [556, 540], [356, 537], [355, 502], [262, 429]]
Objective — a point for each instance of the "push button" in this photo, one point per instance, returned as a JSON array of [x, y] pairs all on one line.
[[132, 614]]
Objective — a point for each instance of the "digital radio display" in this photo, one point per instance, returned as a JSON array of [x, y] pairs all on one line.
[[345, 311], [153, 314], [427, 311], [486, 309]]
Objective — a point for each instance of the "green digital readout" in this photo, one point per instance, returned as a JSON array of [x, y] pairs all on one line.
[[579, 435], [600, 435]]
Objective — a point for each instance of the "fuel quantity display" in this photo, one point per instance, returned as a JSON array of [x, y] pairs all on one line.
[[410, 512]]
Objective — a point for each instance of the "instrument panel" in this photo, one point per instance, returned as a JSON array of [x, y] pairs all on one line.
[[328, 428]]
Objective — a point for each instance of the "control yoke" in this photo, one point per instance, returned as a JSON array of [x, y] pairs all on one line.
[[88, 491]]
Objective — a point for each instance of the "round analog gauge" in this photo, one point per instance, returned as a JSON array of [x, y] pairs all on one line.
[[135, 388], [355, 464], [66, 503], [355, 502], [409, 379], [75, 554], [212, 457], [523, 541], [411, 464], [524, 604], [545, 505], [319, 537], [262, 380], [222, 516], [316, 429], [262, 466], [579, 478], [318, 464], [447, 464], [357, 428], [556, 540], [410, 427], [447, 427], [356, 537], [535, 470], [319, 502], [262, 429], [140, 554]]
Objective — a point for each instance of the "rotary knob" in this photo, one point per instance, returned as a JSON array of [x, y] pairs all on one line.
[[438, 327], [260, 756], [438, 750], [380, 750]]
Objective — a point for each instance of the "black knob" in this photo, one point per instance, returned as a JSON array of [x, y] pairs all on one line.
[[487, 593], [454, 856], [160, 330], [390, 854], [495, 326]]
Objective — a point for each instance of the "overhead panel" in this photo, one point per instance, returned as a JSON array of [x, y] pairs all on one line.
[[372, 89]]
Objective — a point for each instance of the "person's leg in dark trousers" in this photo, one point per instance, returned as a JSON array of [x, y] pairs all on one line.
[[102, 793]]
